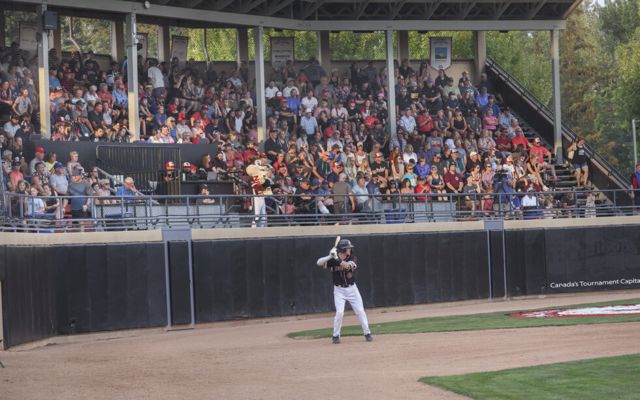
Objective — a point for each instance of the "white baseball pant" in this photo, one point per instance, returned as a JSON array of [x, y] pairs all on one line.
[[260, 212], [352, 295]]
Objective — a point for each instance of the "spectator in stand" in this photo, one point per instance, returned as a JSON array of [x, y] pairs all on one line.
[[634, 188], [539, 151], [577, 154], [39, 158]]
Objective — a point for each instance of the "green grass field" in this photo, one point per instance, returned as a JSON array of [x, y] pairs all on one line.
[[601, 378], [498, 320]]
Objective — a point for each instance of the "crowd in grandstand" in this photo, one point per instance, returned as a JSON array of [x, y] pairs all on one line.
[[327, 132]]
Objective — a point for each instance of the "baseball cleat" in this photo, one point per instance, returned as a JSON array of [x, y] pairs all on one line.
[[335, 340], [368, 337]]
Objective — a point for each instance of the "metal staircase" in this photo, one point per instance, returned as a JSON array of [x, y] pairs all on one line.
[[537, 120]]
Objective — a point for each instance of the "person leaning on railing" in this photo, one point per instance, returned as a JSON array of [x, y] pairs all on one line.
[[634, 188]]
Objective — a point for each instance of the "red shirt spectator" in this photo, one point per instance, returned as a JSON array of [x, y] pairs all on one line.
[[425, 123], [519, 140], [503, 143], [538, 151], [422, 187]]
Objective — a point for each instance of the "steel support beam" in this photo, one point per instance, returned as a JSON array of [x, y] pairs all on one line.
[[164, 43], [238, 19], [242, 45], [2, 28], [43, 74], [557, 105], [391, 79], [57, 40], [403, 45], [480, 52], [261, 102], [117, 40], [132, 76], [324, 51]]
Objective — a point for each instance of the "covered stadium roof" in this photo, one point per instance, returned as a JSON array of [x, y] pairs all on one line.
[[356, 15], [329, 10]]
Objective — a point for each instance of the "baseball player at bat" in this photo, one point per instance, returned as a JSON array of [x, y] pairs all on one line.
[[343, 265]]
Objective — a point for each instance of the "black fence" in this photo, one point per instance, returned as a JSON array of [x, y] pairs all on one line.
[[53, 290]]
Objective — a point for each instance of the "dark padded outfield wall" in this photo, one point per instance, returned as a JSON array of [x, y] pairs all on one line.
[[573, 259], [53, 290], [278, 276]]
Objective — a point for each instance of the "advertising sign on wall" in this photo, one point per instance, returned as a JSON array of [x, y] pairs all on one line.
[[179, 45], [440, 52], [281, 51]]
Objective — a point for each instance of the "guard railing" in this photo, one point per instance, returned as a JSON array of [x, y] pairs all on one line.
[[227, 211]]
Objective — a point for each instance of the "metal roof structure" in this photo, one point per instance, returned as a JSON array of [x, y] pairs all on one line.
[[329, 15], [330, 10]]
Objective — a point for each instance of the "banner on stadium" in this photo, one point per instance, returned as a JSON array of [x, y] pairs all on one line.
[[143, 44], [281, 51], [28, 36], [440, 52], [179, 45]]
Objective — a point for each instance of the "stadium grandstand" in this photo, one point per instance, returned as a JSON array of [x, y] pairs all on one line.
[[131, 141]]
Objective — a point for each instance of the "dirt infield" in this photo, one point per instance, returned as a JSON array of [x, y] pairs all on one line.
[[255, 360]]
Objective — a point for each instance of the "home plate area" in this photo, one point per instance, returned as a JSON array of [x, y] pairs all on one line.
[[602, 311]]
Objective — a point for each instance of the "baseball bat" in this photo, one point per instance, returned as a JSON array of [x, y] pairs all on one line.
[[337, 241]]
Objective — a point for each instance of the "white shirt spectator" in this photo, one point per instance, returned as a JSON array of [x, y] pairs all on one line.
[[309, 102], [157, 80], [361, 193], [11, 129], [406, 157], [286, 92], [529, 200], [35, 205], [270, 92], [408, 123], [309, 124], [340, 112]]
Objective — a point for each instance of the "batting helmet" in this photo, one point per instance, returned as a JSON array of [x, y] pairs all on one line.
[[344, 244]]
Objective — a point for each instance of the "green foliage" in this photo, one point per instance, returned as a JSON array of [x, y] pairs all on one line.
[[12, 24], [347, 46], [499, 320], [89, 34], [462, 44], [600, 378], [525, 55], [618, 22]]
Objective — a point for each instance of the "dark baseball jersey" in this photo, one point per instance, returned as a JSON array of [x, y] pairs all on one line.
[[342, 278]]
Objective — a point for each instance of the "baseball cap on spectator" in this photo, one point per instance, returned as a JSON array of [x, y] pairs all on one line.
[[279, 94], [203, 186], [473, 153], [58, 165], [381, 94], [403, 88], [40, 150], [263, 155], [315, 182], [16, 162]]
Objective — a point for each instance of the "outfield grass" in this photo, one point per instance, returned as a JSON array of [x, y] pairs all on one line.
[[601, 378], [498, 320]]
